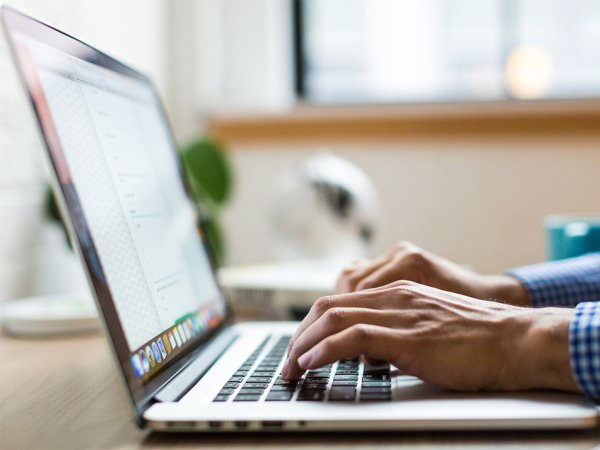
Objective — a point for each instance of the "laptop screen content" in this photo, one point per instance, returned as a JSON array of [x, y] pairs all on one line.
[[114, 156]]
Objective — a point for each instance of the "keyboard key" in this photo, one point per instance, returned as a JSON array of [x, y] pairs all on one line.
[[376, 377], [376, 384], [311, 396], [255, 385], [279, 396], [345, 382], [253, 379], [231, 384], [251, 391], [247, 398], [313, 387], [282, 387], [375, 390], [285, 382], [221, 398], [317, 380], [345, 377], [342, 393], [226, 391], [236, 379]]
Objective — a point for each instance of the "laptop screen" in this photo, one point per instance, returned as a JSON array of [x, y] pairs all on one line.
[[116, 163]]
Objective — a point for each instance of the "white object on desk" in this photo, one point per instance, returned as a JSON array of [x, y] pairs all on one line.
[[275, 289], [50, 315]]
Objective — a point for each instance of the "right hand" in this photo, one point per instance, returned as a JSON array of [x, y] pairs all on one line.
[[446, 339], [406, 261]]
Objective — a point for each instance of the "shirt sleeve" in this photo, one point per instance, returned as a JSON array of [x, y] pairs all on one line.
[[584, 348], [565, 282]]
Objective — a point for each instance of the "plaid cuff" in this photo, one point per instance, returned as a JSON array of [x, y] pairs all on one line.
[[584, 348], [562, 283]]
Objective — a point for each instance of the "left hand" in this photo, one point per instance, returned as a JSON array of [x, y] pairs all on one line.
[[446, 339]]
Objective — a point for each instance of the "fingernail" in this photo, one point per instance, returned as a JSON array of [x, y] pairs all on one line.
[[284, 369], [305, 360]]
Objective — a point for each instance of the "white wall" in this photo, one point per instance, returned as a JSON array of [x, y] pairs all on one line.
[[480, 202]]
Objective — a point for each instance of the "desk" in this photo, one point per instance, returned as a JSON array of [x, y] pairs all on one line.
[[63, 394]]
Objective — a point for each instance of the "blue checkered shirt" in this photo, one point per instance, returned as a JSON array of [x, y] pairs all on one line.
[[572, 282]]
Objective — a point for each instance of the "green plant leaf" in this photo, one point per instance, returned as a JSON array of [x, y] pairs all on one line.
[[208, 171]]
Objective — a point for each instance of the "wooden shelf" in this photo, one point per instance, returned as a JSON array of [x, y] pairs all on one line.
[[309, 122]]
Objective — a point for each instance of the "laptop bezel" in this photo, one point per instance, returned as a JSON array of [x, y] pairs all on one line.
[[141, 394]]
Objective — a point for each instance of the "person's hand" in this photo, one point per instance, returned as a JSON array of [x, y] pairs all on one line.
[[406, 261], [446, 339]]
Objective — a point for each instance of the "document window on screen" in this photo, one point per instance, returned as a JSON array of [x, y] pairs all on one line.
[[119, 153]]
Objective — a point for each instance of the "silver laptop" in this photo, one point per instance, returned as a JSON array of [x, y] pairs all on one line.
[[183, 361]]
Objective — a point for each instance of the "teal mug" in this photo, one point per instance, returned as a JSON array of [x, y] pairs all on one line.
[[570, 235]]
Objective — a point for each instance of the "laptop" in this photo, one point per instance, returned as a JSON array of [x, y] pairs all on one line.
[[184, 362]]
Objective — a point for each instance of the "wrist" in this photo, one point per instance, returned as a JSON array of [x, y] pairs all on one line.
[[507, 289], [541, 350]]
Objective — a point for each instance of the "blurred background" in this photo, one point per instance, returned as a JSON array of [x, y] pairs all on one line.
[[474, 119]]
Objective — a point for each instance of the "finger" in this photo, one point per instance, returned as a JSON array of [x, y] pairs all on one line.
[[371, 340], [388, 273], [351, 276], [377, 298], [332, 322], [371, 361]]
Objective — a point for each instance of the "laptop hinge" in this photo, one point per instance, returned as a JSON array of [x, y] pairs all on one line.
[[181, 383]]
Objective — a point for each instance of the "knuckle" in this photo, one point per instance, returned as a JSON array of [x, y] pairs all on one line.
[[416, 259], [361, 332], [347, 271], [404, 292], [322, 305], [334, 316], [405, 283]]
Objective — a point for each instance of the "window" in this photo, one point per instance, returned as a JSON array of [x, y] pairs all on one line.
[[394, 51]]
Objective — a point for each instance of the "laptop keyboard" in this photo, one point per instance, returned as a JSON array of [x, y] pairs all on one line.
[[347, 380]]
